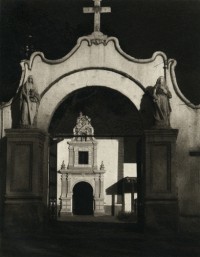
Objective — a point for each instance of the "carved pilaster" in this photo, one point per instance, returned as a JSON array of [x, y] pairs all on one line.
[[95, 155], [101, 185], [66, 199], [96, 187], [63, 185], [71, 156]]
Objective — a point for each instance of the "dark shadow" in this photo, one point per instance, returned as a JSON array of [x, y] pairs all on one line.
[[147, 108], [15, 110], [3, 150], [111, 112], [130, 149], [83, 199], [140, 184], [53, 180]]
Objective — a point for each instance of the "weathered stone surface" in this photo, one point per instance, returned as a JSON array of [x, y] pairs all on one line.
[[24, 201], [160, 184]]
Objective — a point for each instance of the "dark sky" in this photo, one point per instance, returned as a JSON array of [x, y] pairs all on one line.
[[142, 27]]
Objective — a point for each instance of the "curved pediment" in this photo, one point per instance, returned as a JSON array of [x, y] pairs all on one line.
[[103, 53], [106, 54]]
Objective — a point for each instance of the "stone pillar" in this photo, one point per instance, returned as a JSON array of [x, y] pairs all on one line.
[[101, 186], [99, 196], [24, 205], [66, 197], [71, 156], [96, 187], [95, 155], [159, 179]]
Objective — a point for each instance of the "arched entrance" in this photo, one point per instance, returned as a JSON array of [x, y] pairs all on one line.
[[82, 199], [118, 129]]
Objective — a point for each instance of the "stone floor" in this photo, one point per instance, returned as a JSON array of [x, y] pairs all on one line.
[[99, 219], [99, 238]]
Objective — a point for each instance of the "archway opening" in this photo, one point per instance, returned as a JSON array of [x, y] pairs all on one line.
[[117, 128], [82, 199]]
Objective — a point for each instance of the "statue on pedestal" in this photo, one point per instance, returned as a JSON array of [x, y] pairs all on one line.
[[161, 96], [29, 103]]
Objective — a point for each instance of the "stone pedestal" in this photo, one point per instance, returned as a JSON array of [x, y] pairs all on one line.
[[66, 208], [160, 191], [24, 205], [99, 207]]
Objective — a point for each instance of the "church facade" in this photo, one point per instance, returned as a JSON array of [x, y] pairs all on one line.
[[168, 159], [82, 167]]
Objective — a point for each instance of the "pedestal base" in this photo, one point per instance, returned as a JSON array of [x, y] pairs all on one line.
[[161, 215], [23, 216], [66, 206], [24, 199], [99, 207], [160, 197]]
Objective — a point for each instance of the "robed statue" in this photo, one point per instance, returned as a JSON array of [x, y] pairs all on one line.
[[162, 110], [29, 103]]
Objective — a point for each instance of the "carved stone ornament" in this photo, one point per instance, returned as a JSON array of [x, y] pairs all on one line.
[[83, 126]]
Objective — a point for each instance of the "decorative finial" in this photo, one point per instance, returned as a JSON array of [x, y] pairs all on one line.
[[63, 165], [102, 167]]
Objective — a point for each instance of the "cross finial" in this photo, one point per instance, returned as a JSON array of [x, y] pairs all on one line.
[[97, 10]]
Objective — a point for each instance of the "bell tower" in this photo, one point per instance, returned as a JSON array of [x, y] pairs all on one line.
[[82, 167]]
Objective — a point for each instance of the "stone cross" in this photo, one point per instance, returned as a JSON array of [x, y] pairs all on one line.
[[97, 10]]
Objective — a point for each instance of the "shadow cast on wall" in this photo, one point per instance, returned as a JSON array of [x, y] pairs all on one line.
[[16, 111], [147, 108]]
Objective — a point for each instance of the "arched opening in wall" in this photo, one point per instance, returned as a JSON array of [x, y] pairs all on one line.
[[82, 201], [117, 139]]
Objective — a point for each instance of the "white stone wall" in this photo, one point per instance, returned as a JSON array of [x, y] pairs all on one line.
[[108, 152]]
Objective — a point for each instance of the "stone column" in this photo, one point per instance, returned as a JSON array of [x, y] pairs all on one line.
[[96, 187], [159, 179], [95, 155], [101, 186], [66, 198], [99, 196], [71, 156], [24, 203]]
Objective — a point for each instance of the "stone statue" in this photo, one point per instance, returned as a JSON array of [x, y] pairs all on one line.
[[29, 103], [161, 96]]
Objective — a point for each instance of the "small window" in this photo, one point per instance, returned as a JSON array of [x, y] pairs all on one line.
[[83, 157]]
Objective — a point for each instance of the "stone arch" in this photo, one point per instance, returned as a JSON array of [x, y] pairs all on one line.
[[111, 112], [79, 181], [87, 78]]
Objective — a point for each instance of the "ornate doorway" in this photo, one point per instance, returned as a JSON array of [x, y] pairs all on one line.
[[82, 199]]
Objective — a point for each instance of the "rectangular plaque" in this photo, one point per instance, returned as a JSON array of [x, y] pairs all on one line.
[[160, 168], [21, 168]]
